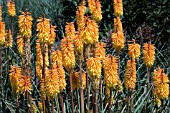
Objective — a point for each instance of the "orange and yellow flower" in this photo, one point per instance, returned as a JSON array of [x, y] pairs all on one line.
[[20, 43], [67, 50], [130, 75], [11, 8], [148, 54], [25, 85], [118, 7], [2, 33], [100, 50], [134, 50], [70, 30], [61, 78], [111, 71], [43, 29], [25, 25], [15, 74], [52, 35]]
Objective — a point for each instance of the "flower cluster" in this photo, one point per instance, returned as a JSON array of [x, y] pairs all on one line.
[[148, 54], [118, 7], [11, 8], [134, 50]]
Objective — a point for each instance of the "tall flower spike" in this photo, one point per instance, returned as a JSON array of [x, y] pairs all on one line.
[[67, 50], [94, 68], [15, 74], [95, 9], [148, 54], [161, 86], [25, 24], [56, 58], [111, 71], [130, 75], [100, 50], [90, 33], [118, 24], [25, 85], [78, 45], [61, 77], [70, 30], [118, 40], [43, 29], [11, 8], [118, 7], [134, 50], [20, 43], [80, 15], [8, 39], [52, 35], [51, 82], [2, 33]]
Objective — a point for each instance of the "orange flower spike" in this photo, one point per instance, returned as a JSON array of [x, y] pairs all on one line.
[[8, 39], [25, 24], [133, 50], [42, 90], [148, 54], [52, 35], [70, 30], [25, 85], [118, 7], [97, 13], [15, 74], [118, 24], [43, 29], [92, 5], [130, 75], [11, 8], [84, 80], [51, 83], [94, 68], [118, 40], [39, 72], [100, 50], [2, 33], [20, 43], [61, 78], [68, 57], [39, 59], [56, 57], [111, 71], [78, 45]]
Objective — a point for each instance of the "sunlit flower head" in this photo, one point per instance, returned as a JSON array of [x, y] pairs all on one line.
[[11, 8]]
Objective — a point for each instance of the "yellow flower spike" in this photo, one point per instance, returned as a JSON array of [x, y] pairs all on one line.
[[111, 71], [25, 24], [51, 83], [89, 33], [130, 75], [20, 43], [11, 8], [43, 29], [52, 35], [94, 68], [8, 39], [133, 50], [161, 86], [118, 41], [40, 106], [95, 9], [25, 84], [78, 45], [2, 33], [15, 74], [56, 57], [76, 80], [61, 77], [70, 30], [119, 87], [118, 7], [148, 54], [67, 50], [118, 24], [100, 50]]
